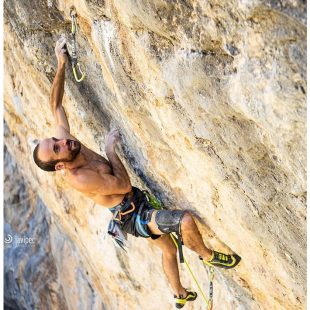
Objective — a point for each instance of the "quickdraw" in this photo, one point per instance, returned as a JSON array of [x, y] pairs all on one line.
[[210, 273], [73, 57]]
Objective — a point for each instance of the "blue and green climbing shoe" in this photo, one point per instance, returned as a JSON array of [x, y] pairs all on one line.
[[181, 301], [222, 260]]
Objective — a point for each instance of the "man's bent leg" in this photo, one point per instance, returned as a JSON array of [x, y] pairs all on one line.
[[165, 221], [170, 264], [192, 237], [190, 234]]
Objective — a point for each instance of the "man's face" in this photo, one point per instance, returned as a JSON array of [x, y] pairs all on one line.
[[63, 150]]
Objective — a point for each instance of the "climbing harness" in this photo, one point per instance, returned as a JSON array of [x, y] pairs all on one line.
[[73, 57], [114, 228]]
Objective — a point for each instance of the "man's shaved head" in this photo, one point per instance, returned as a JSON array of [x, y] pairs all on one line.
[[44, 165], [49, 152]]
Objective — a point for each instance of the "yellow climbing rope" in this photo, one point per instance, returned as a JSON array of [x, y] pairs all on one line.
[[208, 301]]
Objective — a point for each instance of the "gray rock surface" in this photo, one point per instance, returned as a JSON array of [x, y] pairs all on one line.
[[36, 253]]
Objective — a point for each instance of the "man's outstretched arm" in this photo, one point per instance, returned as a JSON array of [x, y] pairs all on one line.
[[57, 90]]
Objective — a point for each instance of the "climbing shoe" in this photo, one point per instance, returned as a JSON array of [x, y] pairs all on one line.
[[181, 301], [222, 260]]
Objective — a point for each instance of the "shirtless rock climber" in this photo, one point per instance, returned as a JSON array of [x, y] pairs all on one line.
[[106, 181]]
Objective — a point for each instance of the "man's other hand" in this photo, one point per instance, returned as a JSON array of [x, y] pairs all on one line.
[[112, 138], [60, 50]]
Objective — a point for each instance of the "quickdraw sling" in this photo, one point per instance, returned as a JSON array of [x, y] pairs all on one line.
[[73, 57]]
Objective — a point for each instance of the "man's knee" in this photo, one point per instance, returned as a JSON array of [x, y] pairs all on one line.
[[169, 253], [187, 221], [169, 250]]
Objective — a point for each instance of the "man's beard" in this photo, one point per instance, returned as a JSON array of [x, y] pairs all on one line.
[[74, 148]]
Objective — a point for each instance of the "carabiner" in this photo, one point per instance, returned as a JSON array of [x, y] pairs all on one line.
[[75, 73]]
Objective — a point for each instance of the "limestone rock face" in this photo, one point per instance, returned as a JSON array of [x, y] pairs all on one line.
[[210, 99]]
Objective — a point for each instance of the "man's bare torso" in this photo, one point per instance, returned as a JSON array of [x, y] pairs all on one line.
[[96, 164]]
